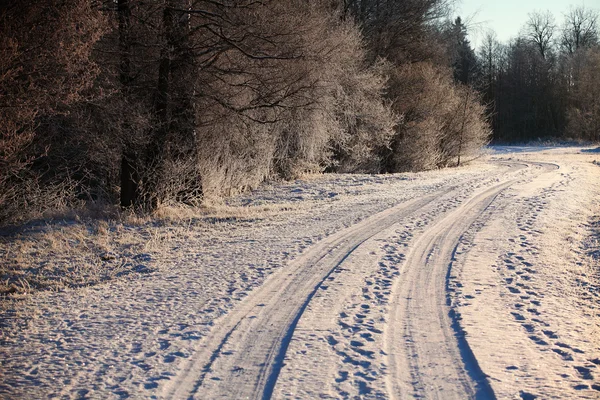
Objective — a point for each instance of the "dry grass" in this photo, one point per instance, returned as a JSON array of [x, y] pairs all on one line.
[[87, 247], [61, 255], [219, 211]]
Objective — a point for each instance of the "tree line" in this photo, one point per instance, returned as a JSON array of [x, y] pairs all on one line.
[[142, 104], [545, 83]]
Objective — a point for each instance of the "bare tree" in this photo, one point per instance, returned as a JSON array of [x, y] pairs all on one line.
[[45, 69], [540, 29], [441, 121], [580, 29], [399, 30], [488, 56], [584, 101]]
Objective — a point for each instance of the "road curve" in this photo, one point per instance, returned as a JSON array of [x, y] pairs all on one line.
[[425, 357], [243, 354], [429, 356]]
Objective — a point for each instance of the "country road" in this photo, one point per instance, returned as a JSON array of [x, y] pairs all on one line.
[[479, 282], [245, 355]]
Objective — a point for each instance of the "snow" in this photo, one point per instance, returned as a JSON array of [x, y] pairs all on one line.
[[522, 281]]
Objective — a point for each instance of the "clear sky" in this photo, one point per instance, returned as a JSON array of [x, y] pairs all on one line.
[[507, 17]]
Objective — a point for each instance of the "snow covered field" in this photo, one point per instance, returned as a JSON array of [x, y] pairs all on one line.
[[475, 282]]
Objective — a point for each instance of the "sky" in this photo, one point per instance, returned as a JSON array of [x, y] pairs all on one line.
[[507, 17]]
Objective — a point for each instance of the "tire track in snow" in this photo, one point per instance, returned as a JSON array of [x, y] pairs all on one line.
[[253, 338], [243, 354], [429, 356], [563, 367], [336, 349]]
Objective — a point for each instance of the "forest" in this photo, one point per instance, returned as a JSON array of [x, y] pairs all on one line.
[[138, 104]]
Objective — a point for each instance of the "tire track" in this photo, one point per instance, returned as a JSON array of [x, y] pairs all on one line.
[[429, 356], [243, 355], [253, 338]]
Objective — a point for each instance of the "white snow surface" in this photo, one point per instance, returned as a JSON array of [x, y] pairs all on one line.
[[475, 282]]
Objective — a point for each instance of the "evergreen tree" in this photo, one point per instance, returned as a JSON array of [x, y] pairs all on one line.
[[464, 63]]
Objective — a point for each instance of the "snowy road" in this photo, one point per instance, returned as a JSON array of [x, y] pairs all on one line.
[[244, 356], [369, 287]]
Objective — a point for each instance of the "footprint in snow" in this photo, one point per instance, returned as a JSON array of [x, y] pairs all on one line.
[[539, 321], [581, 387], [367, 336], [343, 376], [564, 354], [527, 396], [527, 264], [529, 328], [331, 340], [150, 385], [538, 340], [518, 316], [169, 358], [164, 344], [584, 372]]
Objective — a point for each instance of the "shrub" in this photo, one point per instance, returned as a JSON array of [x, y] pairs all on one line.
[[441, 120]]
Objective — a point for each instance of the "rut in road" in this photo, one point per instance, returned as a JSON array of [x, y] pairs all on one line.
[[251, 340], [426, 359], [242, 356], [429, 356]]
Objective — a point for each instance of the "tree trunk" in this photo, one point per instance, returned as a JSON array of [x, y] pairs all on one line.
[[173, 103], [156, 147], [129, 181], [462, 128], [129, 175]]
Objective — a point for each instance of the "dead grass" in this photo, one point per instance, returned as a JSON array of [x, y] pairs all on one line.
[[59, 255], [221, 211], [82, 248]]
